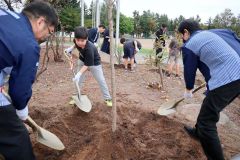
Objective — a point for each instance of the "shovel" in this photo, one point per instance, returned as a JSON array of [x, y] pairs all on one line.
[[81, 101], [43, 136], [236, 157], [168, 107]]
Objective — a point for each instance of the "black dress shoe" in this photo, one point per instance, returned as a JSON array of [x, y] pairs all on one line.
[[191, 132]]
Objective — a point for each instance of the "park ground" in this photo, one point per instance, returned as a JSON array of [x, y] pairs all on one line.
[[141, 133]]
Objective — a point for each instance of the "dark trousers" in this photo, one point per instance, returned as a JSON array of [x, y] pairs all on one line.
[[15, 143], [215, 101]]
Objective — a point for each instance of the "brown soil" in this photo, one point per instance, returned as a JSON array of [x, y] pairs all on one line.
[[141, 133]]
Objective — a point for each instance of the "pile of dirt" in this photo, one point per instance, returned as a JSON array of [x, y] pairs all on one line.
[[140, 135]]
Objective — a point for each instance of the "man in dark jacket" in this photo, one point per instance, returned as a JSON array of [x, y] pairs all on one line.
[[106, 42], [93, 34], [20, 35]]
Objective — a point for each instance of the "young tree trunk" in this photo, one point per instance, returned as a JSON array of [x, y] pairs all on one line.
[[62, 40], [57, 55], [57, 42], [161, 75], [113, 84], [44, 63]]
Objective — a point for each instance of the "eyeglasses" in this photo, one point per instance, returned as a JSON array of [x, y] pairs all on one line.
[[49, 30]]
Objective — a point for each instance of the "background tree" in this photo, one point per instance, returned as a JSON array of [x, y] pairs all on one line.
[[162, 19], [104, 13], [147, 23], [226, 17], [70, 18], [136, 22], [127, 24], [11, 4]]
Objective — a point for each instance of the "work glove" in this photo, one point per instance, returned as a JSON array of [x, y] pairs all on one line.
[[77, 77], [23, 113], [69, 50], [137, 50], [188, 94], [96, 44]]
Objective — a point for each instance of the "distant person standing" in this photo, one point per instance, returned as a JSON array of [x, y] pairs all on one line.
[[174, 55], [160, 41], [93, 34], [106, 42]]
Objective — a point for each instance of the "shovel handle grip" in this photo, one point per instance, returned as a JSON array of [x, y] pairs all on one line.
[[32, 123], [199, 87], [70, 62], [29, 120], [194, 91]]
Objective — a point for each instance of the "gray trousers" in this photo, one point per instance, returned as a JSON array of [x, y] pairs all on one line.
[[97, 73]]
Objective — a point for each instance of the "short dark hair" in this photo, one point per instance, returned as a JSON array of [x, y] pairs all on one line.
[[39, 8], [189, 25], [81, 32], [101, 26], [122, 40], [163, 25]]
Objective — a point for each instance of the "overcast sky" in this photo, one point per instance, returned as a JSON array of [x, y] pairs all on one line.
[[174, 8]]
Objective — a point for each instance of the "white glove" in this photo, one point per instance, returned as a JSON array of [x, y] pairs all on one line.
[[77, 77], [23, 113], [69, 50], [188, 94], [96, 44], [137, 50]]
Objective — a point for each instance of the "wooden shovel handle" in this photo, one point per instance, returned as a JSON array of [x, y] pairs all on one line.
[[32, 123], [199, 87], [194, 91], [29, 120], [69, 61]]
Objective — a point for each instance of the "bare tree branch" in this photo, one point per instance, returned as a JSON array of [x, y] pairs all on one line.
[[9, 6], [45, 61]]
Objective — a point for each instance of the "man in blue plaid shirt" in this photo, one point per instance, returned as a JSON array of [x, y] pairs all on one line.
[[216, 53]]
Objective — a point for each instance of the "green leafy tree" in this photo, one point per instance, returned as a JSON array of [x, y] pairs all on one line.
[[226, 17], [162, 19], [147, 23], [104, 13], [136, 22], [127, 24], [70, 18]]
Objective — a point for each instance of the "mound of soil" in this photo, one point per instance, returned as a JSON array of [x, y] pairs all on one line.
[[140, 135]]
